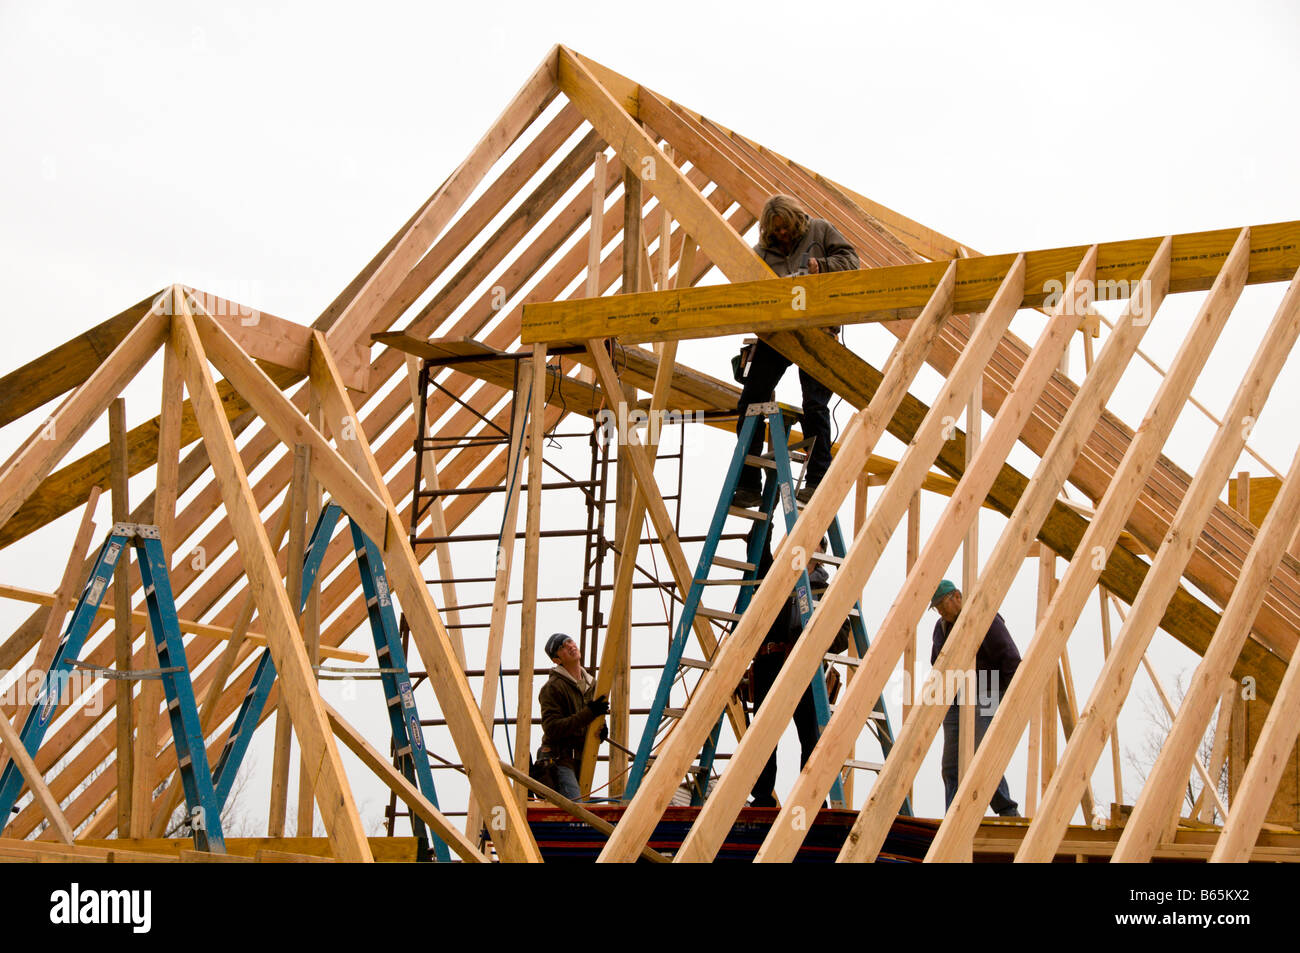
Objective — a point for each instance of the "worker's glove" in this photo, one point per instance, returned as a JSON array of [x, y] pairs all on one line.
[[598, 706], [604, 732]]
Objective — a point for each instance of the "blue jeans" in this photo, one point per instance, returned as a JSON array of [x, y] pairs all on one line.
[[566, 782], [1001, 801]]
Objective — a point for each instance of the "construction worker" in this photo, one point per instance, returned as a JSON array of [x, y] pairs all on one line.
[[567, 709], [996, 662], [792, 243]]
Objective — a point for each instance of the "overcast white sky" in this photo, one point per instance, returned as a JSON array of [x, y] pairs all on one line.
[[266, 151]]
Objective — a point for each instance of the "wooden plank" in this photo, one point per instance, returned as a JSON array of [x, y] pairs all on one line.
[[342, 824], [723, 245], [70, 586], [438, 519], [633, 452], [1160, 798], [507, 825], [151, 694], [574, 809], [900, 291], [24, 471], [396, 782], [618, 630], [1046, 647], [505, 558], [532, 559], [1116, 675], [188, 626], [69, 365], [40, 790], [122, 631]]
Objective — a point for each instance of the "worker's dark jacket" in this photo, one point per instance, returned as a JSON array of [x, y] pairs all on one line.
[[821, 241], [565, 715], [997, 654]]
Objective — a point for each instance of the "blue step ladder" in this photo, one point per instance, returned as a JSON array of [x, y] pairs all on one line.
[[676, 666], [404, 719], [202, 802]]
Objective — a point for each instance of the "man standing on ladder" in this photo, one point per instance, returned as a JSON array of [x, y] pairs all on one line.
[[792, 243]]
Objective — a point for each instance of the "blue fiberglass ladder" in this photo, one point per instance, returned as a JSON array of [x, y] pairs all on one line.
[[408, 740], [675, 666], [201, 798]]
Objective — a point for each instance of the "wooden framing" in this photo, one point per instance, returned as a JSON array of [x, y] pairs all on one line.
[[708, 188]]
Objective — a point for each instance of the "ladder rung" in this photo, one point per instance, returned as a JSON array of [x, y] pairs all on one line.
[[842, 660], [852, 614], [756, 515], [827, 558], [865, 765], [674, 712], [753, 461], [728, 582], [726, 563], [717, 614], [695, 663]]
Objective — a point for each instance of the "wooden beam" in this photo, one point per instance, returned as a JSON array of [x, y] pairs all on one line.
[[293, 669], [505, 557], [507, 824], [618, 631], [122, 630], [1046, 647], [723, 245], [25, 470], [203, 629], [40, 790], [397, 782], [900, 291], [437, 516], [70, 586], [1116, 675], [1160, 797], [151, 695], [532, 559], [632, 451]]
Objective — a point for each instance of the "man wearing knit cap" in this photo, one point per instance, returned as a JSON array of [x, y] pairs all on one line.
[[996, 662], [567, 709]]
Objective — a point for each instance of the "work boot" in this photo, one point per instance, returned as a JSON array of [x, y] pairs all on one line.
[[749, 492]]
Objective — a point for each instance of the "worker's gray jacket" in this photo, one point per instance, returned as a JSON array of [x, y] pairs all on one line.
[[821, 241]]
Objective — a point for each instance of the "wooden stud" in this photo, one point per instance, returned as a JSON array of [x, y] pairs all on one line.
[[396, 782], [505, 557], [122, 630], [32, 463], [438, 519], [1159, 797], [293, 669], [507, 824], [532, 558]]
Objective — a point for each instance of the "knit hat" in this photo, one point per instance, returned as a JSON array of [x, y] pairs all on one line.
[[553, 644], [945, 588]]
